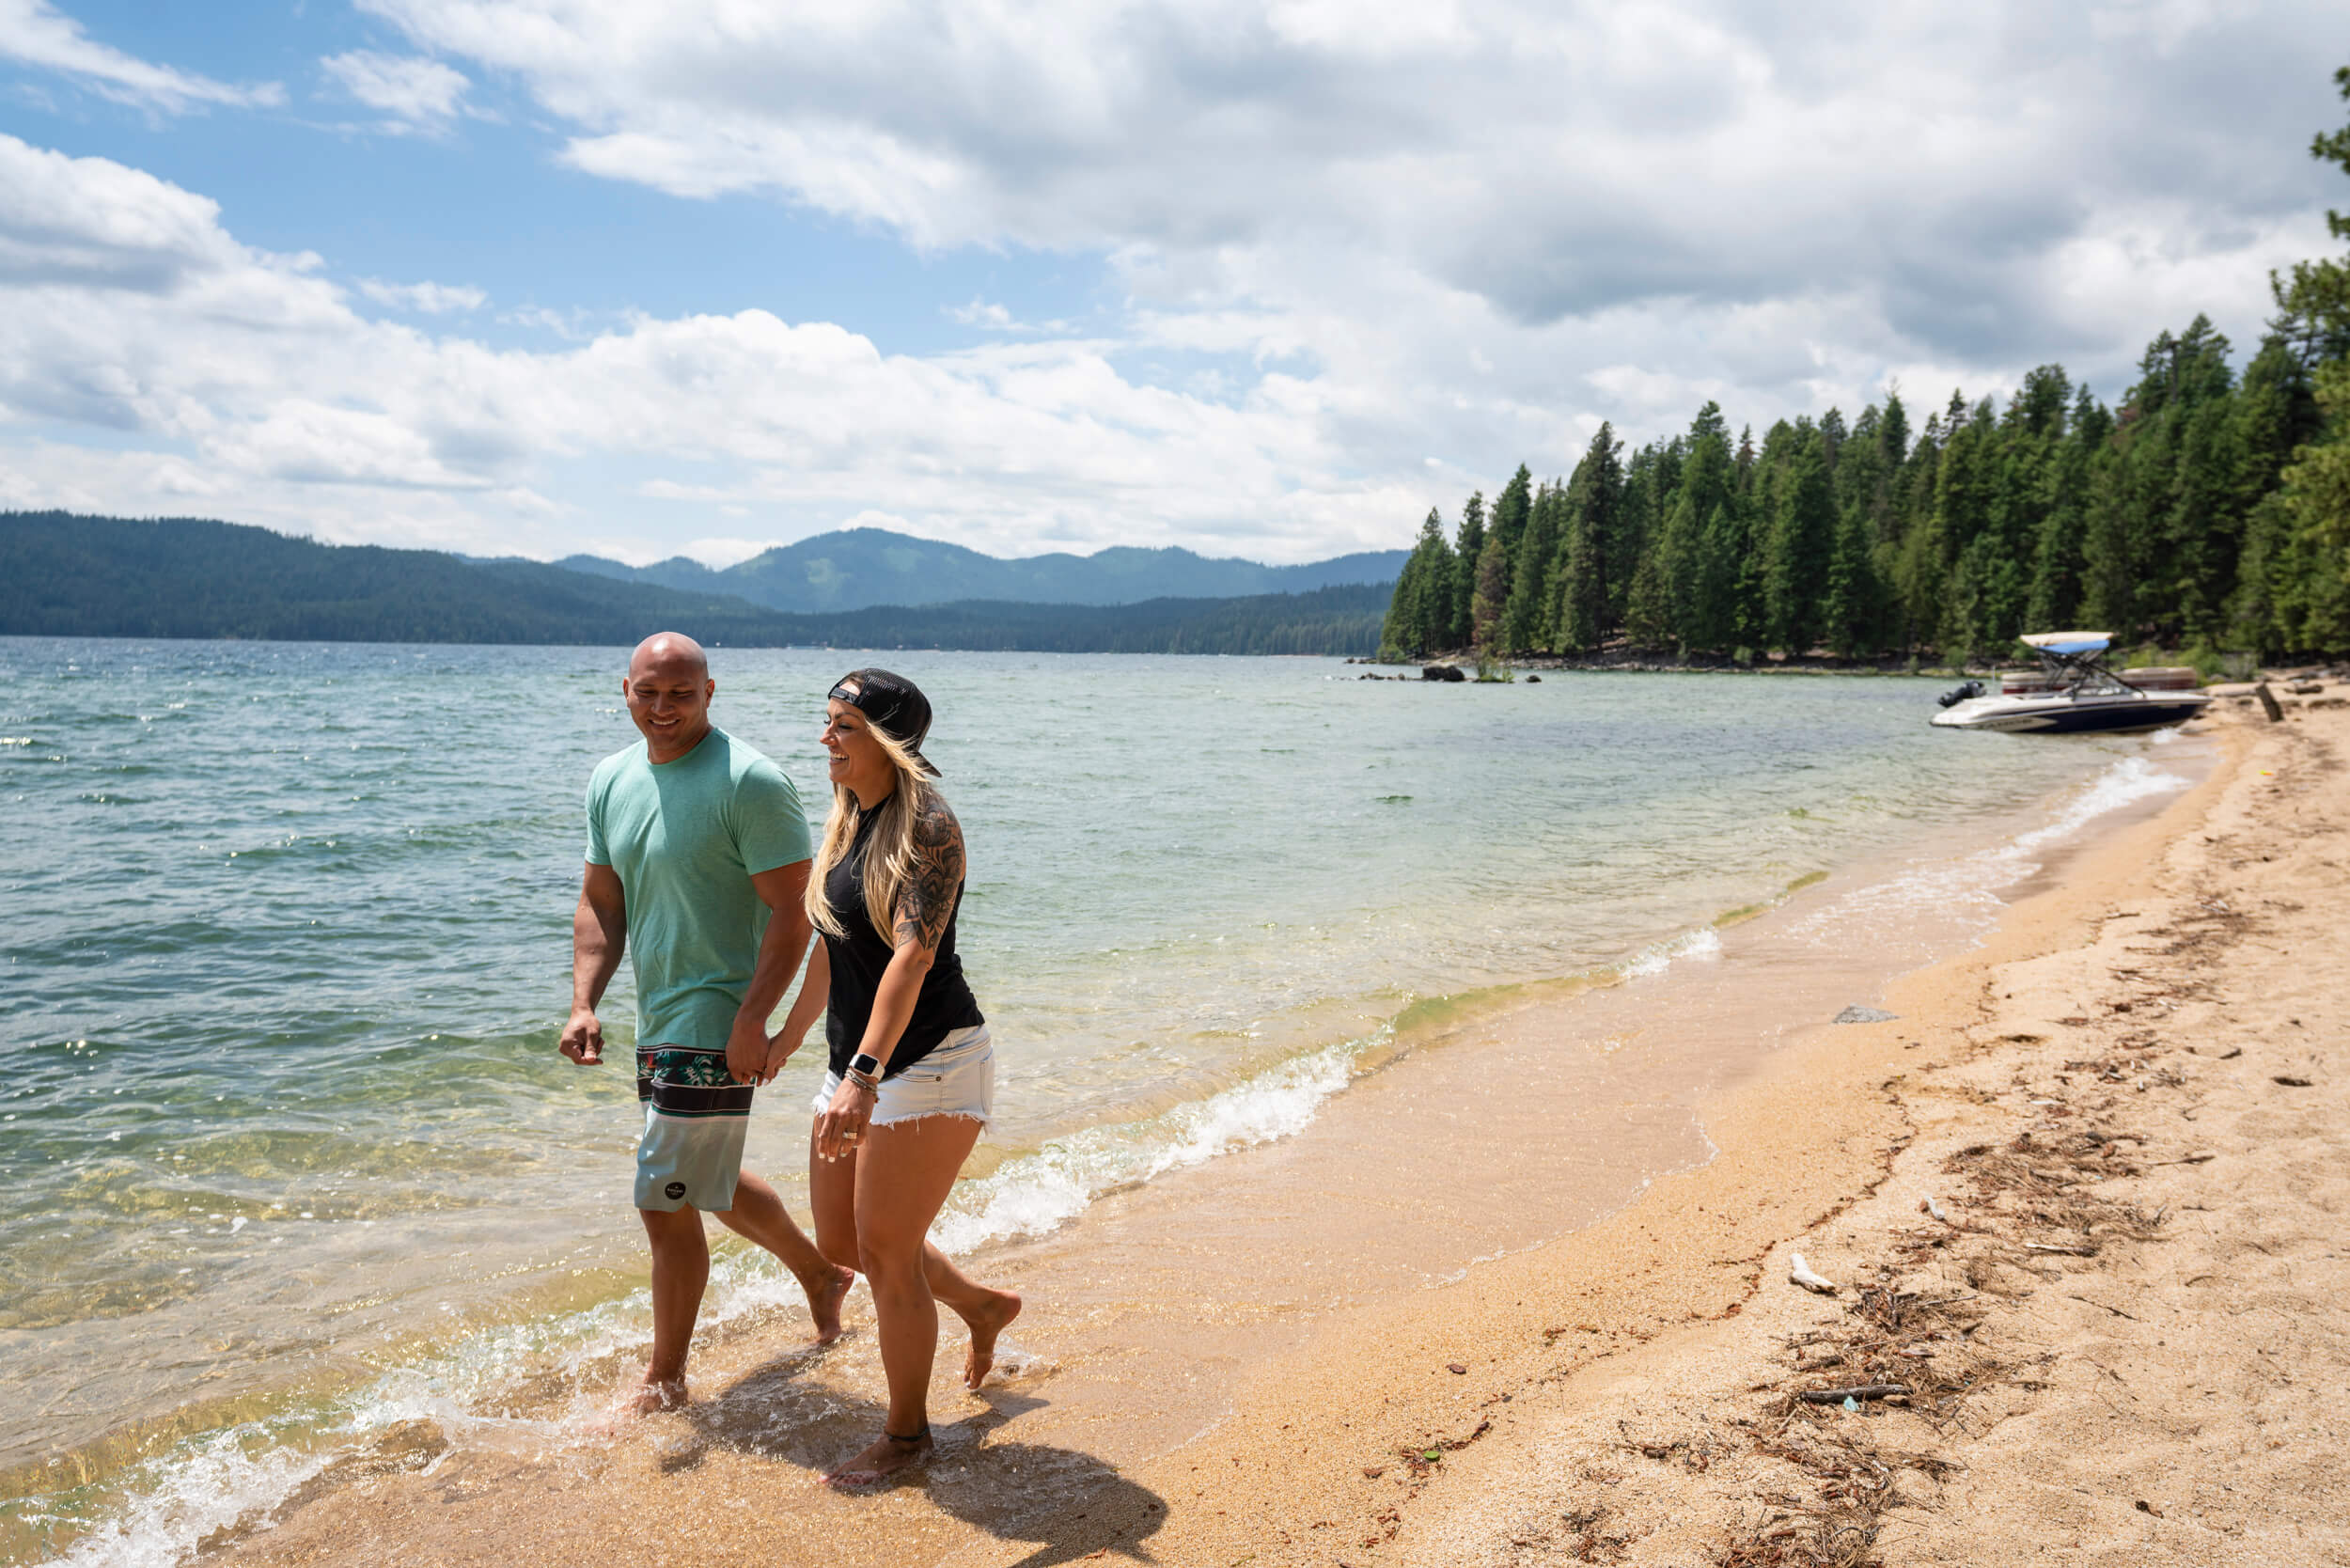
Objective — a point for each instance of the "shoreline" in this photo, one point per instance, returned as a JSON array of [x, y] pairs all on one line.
[[796, 1408], [1627, 1395]]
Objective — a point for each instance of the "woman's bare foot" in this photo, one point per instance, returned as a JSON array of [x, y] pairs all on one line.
[[885, 1458], [823, 1303], [986, 1322]]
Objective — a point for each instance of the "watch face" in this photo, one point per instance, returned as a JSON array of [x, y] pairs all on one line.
[[865, 1062]]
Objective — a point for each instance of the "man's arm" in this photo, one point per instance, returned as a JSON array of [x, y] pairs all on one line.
[[779, 951], [599, 936]]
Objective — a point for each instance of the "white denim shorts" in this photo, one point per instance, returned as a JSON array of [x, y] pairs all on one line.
[[956, 1079]]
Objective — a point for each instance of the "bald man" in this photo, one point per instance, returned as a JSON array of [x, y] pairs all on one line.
[[697, 854]]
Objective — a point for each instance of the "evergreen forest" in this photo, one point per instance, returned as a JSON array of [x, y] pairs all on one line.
[[2209, 510]]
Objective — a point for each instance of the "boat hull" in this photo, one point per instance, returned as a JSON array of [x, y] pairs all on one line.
[[2059, 715]]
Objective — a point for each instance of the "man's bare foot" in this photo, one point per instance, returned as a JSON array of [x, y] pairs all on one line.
[[823, 1303], [885, 1458], [986, 1322], [649, 1398]]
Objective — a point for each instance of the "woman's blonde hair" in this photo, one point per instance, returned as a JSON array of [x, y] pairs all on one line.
[[889, 859]]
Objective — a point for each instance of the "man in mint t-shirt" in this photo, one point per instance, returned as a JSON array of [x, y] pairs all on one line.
[[694, 840]]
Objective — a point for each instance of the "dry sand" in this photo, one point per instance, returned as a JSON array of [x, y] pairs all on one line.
[[1622, 1394]]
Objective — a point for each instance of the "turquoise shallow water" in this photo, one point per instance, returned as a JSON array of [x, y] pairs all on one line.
[[285, 944]]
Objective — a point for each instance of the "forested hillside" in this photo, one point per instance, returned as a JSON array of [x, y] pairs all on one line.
[[851, 568], [2209, 508], [67, 576]]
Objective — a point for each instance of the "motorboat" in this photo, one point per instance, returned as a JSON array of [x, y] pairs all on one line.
[[2076, 690]]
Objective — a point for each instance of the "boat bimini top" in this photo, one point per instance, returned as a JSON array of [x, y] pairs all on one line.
[[2069, 645]]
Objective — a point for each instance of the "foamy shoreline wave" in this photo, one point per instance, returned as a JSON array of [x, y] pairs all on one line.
[[241, 1474]]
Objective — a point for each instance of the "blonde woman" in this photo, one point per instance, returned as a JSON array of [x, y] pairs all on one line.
[[913, 1074]]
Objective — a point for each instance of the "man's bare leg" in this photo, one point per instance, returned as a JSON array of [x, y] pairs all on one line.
[[681, 1270], [758, 1214]]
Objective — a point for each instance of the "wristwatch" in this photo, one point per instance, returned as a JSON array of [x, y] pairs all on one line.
[[867, 1064]]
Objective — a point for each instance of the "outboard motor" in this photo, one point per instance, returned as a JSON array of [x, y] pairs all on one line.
[[1966, 691]]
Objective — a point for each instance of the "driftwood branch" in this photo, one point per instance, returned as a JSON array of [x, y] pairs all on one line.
[[1864, 1390]]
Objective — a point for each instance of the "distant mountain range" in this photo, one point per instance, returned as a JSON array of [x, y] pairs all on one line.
[[855, 567], [68, 576]]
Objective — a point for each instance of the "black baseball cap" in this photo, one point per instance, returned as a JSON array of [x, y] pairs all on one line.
[[892, 704]]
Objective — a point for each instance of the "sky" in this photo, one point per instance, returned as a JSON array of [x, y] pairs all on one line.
[[1269, 280]]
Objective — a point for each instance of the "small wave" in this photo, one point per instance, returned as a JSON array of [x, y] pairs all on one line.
[[211, 1484], [1658, 957], [1038, 1192], [1976, 879]]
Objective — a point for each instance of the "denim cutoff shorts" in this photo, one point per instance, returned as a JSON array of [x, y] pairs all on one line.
[[957, 1079]]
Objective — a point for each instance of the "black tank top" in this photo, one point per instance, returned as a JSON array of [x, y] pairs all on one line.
[[946, 1003]]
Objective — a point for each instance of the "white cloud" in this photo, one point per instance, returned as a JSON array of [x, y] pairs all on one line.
[[431, 299], [989, 316], [980, 313], [723, 552], [419, 94], [1346, 235], [246, 384], [34, 33], [1907, 176]]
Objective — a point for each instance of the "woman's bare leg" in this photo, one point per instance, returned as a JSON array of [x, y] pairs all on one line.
[[984, 1310], [904, 1174]]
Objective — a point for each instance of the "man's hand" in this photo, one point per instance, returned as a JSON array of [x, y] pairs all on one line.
[[582, 1039], [746, 1050]]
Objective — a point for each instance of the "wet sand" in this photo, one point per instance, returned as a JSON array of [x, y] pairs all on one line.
[[1563, 1197]]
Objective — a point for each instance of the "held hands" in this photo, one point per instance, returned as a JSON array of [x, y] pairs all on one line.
[[582, 1039], [746, 1051], [840, 1130]]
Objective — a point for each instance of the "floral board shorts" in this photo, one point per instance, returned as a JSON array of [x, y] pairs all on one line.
[[696, 1116], [956, 1079]]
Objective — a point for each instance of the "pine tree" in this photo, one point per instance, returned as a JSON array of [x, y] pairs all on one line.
[[1468, 546], [1800, 545], [1524, 622], [1420, 613], [1511, 509], [2313, 498], [1579, 592], [1493, 594]]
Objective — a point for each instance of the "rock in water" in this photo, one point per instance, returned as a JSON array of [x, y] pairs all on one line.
[[1866, 1016], [1441, 672]]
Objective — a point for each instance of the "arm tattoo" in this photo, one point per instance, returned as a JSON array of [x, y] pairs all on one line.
[[927, 901]]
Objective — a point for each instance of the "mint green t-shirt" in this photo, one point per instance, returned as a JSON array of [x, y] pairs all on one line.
[[686, 837]]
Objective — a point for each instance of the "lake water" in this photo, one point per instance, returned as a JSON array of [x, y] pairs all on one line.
[[284, 943]]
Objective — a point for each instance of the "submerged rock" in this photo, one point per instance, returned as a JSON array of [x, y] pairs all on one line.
[[1866, 1016], [1441, 672]]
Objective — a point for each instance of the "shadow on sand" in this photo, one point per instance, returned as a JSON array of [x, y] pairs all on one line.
[[1071, 1504]]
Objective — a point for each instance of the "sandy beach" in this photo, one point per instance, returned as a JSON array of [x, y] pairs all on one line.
[[1524, 1295]]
